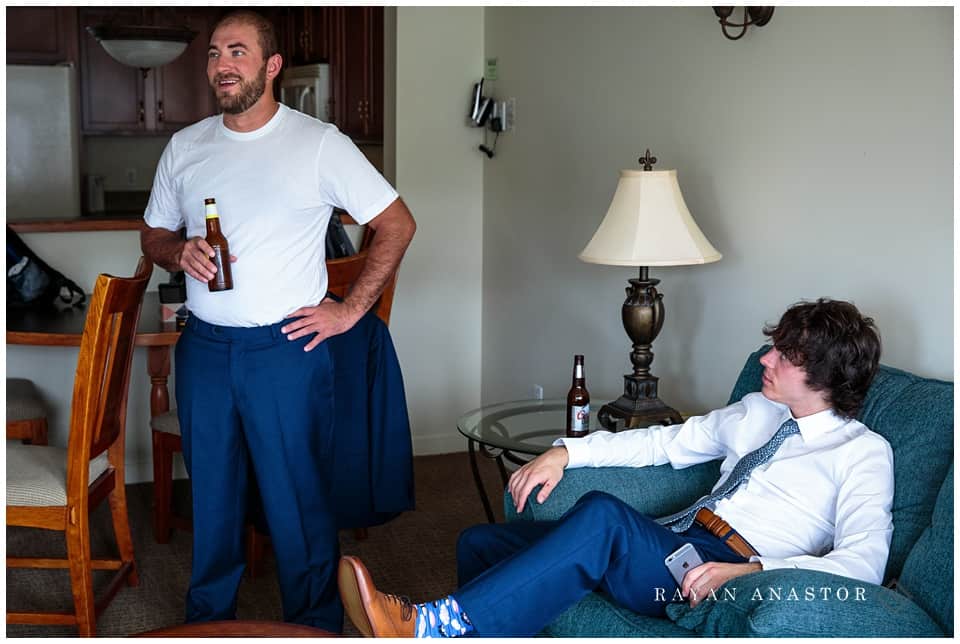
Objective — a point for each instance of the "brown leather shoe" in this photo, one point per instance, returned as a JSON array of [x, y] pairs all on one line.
[[375, 614]]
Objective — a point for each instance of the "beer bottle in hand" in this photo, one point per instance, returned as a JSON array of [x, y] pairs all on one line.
[[578, 402], [222, 280]]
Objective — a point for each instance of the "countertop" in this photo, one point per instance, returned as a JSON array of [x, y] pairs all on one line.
[[122, 220], [82, 223]]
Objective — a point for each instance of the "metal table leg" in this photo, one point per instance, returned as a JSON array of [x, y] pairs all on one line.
[[476, 478]]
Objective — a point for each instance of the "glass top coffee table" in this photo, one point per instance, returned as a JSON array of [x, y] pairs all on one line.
[[515, 431]]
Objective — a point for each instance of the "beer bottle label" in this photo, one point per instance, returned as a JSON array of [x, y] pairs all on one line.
[[580, 418], [217, 258]]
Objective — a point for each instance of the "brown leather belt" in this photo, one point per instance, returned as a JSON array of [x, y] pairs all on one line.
[[720, 529]]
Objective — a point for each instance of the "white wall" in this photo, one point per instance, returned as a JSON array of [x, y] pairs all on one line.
[[436, 315], [815, 154], [81, 257], [124, 162]]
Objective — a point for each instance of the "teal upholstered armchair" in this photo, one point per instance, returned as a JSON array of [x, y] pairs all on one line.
[[916, 416]]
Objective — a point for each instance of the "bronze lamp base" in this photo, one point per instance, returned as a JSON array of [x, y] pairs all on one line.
[[639, 405], [630, 411]]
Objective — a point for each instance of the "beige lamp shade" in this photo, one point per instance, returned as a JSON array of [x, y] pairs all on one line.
[[648, 224]]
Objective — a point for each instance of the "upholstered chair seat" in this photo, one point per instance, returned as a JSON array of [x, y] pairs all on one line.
[[37, 474]]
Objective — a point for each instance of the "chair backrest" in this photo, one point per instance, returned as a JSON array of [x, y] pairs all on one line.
[[99, 409], [343, 272]]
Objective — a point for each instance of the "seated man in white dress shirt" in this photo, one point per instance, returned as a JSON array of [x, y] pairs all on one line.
[[803, 485]]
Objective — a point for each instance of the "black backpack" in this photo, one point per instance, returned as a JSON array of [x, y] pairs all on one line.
[[32, 283]]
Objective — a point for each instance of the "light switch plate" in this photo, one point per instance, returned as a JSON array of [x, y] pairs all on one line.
[[490, 71]]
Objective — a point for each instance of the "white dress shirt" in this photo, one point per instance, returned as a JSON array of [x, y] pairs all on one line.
[[822, 502]]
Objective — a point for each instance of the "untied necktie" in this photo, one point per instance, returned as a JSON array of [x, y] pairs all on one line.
[[681, 521]]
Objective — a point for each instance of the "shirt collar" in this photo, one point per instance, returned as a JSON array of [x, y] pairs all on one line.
[[263, 130], [819, 424]]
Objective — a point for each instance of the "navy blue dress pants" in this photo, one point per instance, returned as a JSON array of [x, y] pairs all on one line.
[[517, 577], [250, 396]]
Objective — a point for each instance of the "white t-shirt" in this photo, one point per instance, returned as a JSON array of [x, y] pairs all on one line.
[[822, 502], [276, 188]]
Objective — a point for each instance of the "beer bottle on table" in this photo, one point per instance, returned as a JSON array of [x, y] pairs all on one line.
[[222, 280], [578, 402]]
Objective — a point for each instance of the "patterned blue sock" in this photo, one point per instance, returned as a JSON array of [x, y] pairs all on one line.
[[441, 618]]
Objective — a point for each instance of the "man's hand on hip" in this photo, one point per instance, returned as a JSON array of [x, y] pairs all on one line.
[[327, 319], [546, 469], [699, 582]]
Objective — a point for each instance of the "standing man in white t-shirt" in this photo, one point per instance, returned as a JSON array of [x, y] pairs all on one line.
[[254, 381]]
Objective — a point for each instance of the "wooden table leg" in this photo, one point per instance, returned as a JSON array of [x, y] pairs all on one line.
[[158, 366]]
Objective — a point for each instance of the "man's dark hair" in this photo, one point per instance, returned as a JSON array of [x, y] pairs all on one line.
[[266, 34], [837, 347]]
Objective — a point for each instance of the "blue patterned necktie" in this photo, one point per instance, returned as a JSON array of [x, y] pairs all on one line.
[[681, 521]]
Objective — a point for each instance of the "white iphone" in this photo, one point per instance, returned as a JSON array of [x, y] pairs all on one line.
[[681, 561]]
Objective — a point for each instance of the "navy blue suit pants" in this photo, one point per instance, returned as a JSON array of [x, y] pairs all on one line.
[[517, 577], [249, 396]]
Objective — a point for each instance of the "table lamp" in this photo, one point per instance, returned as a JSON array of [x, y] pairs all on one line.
[[647, 224]]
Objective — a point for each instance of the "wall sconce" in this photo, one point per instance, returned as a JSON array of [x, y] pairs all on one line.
[[758, 16]]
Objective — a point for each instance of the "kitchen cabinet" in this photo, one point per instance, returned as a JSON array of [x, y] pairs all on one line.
[[306, 34], [358, 72], [350, 39], [117, 99], [182, 93], [41, 35]]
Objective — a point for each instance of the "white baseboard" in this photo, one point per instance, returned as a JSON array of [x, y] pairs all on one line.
[[444, 443]]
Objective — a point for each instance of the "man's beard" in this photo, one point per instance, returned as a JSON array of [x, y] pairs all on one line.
[[250, 92]]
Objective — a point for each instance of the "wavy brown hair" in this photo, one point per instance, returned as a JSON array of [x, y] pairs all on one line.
[[837, 347]]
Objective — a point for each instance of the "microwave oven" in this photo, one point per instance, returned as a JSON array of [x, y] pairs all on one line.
[[306, 88]]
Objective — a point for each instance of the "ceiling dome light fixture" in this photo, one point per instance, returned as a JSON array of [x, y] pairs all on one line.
[[143, 46], [758, 16]]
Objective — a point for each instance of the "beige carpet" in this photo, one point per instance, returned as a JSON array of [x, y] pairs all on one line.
[[447, 502]]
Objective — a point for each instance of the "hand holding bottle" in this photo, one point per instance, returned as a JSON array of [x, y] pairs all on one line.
[[195, 259], [205, 259], [220, 257]]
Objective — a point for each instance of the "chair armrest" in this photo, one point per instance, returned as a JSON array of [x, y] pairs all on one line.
[[655, 491], [795, 602]]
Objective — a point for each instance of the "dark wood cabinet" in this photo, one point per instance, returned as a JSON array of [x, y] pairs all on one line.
[[41, 35], [112, 95], [182, 93], [308, 35], [350, 39], [117, 99], [360, 76]]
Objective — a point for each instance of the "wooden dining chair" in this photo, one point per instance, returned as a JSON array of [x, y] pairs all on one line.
[[342, 273], [54, 488], [26, 413]]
